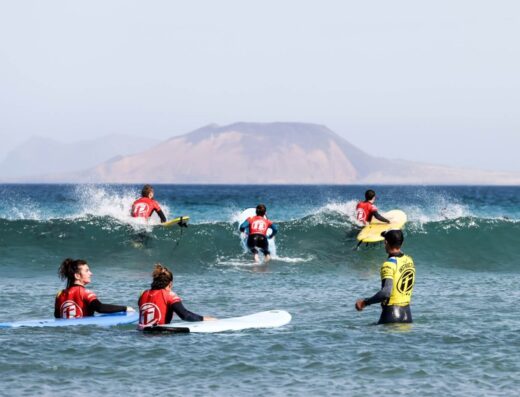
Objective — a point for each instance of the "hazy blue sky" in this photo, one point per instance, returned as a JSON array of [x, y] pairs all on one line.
[[433, 81]]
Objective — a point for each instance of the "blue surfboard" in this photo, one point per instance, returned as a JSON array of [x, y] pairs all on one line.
[[102, 320]]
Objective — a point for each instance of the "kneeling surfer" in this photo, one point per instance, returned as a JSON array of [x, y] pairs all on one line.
[[256, 227], [158, 304], [76, 301], [397, 281]]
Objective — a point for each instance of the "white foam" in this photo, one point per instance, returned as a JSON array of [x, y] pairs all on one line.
[[292, 260], [101, 202], [438, 208], [248, 262], [23, 209], [344, 208], [236, 216]]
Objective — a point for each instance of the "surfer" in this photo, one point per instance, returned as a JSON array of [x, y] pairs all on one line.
[[76, 301], [397, 281], [146, 205], [366, 210], [256, 227], [157, 304]]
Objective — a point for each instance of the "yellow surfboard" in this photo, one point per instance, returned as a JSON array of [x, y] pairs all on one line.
[[372, 233], [174, 221]]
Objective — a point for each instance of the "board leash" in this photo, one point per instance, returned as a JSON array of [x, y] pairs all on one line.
[[182, 225]]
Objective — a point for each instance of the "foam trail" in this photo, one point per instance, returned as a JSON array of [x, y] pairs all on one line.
[[101, 202]]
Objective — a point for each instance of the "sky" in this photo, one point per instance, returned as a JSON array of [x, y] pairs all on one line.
[[436, 81]]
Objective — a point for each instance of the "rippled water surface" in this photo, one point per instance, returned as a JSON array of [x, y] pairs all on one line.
[[464, 339]]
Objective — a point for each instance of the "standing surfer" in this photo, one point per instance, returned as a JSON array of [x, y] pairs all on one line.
[[397, 281], [76, 301], [366, 210], [146, 205]]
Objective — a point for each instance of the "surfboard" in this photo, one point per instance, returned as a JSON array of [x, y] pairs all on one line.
[[102, 320], [372, 233], [175, 221], [248, 213], [267, 319]]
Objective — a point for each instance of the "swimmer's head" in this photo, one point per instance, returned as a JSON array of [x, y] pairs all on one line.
[[394, 238]]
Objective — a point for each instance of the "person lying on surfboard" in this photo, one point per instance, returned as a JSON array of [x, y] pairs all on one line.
[[146, 205], [76, 301], [158, 304], [366, 210], [256, 227]]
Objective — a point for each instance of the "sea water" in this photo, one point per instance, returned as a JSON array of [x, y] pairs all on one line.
[[464, 340]]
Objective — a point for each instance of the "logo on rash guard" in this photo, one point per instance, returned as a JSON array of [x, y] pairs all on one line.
[[360, 214], [140, 209], [148, 313], [259, 225], [69, 309], [406, 281]]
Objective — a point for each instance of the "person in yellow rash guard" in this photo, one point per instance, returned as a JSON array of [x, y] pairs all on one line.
[[397, 281]]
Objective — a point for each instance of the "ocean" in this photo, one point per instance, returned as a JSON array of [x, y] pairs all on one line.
[[464, 340]]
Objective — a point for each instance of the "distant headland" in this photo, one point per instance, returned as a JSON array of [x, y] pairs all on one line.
[[259, 153]]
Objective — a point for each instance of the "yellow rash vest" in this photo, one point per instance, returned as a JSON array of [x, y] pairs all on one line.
[[401, 270]]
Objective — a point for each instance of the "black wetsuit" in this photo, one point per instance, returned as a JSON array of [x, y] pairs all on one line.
[[183, 313], [255, 241]]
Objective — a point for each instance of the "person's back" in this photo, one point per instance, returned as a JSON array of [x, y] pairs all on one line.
[[74, 302], [154, 305], [257, 227], [158, 304], [401, 269], [145, 206], [397, 282], [366, 210]]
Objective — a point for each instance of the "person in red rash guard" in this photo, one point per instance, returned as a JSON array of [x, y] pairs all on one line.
[[76, 301], [256, 228], [366, 210], [158, 304], [146, 205]]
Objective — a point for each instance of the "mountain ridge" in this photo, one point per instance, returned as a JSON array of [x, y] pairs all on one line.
[[269, 153], [40, 156]]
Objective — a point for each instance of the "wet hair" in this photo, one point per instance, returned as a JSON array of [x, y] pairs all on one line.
[[260, 210], [369, 194], [147, 189], [162, 276], [69, 268]]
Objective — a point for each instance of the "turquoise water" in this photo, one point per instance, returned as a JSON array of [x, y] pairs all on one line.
[[464, 340]]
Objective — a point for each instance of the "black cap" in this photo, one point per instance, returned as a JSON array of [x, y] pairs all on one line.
[[393, 237]]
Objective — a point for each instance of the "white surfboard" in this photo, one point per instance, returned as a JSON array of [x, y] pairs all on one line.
[[103, 320], [267, 319], [248, 213]]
